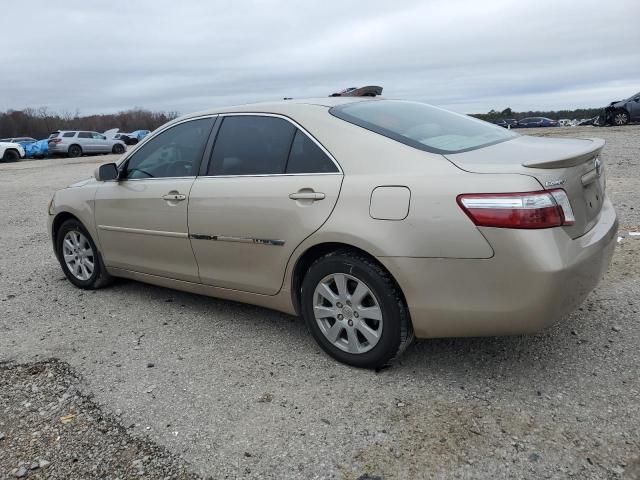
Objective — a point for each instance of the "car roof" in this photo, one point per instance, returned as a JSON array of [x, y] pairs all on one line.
[[283, 107]]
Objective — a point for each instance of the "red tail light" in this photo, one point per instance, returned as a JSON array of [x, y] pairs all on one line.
[[55, 140], [543, 209]]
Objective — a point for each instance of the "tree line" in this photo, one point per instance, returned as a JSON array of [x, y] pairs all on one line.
[[39, 123], [578, 113]]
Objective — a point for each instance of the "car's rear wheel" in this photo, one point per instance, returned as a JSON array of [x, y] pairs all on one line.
[[620, 117], [354, 310], [10, 156], [79, 256], [117, 149], [74, 151]]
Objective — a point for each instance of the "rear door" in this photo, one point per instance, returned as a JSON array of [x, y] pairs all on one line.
[[100, 143], [268, 186], [142, 219], [85, 140]]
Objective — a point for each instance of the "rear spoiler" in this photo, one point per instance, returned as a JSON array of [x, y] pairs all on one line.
[[368, 91], [572, 160]]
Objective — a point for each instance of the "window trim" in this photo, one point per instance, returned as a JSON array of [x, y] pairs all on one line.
[[207, 161]]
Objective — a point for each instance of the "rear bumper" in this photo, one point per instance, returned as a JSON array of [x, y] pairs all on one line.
[[55, 148], [534, 279]]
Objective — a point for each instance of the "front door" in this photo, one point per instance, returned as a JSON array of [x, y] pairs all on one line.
[[142, 218], [268, 187]]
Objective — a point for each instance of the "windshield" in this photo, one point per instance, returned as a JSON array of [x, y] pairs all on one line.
[[422, 126]]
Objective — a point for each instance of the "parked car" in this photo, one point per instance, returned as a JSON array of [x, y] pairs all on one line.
[[507, 123], [21, 140], [75, 143], [139, 134], [127, 138], [623, 111], [11, 151], [565, 122], [373, 219], [530, 122]]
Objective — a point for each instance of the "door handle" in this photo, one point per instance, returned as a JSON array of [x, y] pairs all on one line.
[[307, 196], [174, 197]]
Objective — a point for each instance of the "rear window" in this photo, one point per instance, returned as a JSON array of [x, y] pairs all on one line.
[[54, 134], [422, 126], [69, 134]]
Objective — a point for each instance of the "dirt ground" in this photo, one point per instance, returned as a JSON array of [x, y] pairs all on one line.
[[187, 385]]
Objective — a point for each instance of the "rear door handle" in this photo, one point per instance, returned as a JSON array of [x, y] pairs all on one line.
[[307, 196], [174, 197]]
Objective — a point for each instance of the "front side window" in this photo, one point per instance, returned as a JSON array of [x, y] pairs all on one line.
[[84, 135], [98, 136], [307, 157], [176, 152], [251, 145], [422, 126]]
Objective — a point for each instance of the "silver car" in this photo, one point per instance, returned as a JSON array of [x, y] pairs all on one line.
[[373, 219], [74, 143]]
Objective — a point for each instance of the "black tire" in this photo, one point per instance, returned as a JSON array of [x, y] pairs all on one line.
[[74, 151], [10, 156], [100, 277], [117, 149], [620, 117], [397, 331]]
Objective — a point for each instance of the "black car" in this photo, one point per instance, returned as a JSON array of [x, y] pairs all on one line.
[[507, 123], [623, 111], [126, 138], [531, 122]]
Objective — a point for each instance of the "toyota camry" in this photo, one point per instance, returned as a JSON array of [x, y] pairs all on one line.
[[376, 220]]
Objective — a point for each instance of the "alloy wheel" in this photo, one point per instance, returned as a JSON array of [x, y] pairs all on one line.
[[78, 255], [348, 313], [620, 119]]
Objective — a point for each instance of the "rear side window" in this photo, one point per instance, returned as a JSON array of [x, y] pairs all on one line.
[[69, 134], [251, 145], [422, 126], [307, 157], [84, 135]]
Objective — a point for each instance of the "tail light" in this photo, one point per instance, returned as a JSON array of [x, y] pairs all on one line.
[[55, 140], [543, 209]]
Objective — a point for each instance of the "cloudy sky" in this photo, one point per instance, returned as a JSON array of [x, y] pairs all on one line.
[[469, 56]]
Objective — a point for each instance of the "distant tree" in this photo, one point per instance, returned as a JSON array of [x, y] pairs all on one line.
[[39, 123]]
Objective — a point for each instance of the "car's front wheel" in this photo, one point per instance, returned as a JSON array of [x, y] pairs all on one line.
[[355, 310], [10, 156], [620, 117], [79, 256], [117, 149]]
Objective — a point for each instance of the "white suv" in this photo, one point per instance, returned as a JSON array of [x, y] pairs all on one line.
[[11, 152]]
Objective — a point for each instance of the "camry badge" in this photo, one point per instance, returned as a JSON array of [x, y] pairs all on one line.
[[554, 183]]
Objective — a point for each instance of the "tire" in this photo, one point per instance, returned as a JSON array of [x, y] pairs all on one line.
[[74, 151], [390, 335], [98, 277], [620, 117], [117, 149], [11, 156]]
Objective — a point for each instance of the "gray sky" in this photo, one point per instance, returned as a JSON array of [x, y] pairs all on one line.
[[469, 56]]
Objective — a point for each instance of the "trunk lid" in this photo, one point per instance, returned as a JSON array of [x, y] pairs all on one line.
[[570, 164]]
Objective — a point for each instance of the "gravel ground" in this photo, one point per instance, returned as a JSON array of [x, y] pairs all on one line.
[[242, 392], [51, 429]]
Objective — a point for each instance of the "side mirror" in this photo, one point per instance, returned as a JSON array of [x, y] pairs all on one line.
[[106, 172]]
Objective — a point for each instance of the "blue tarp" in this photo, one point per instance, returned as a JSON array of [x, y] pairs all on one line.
[[37, 149], [139, 134]]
